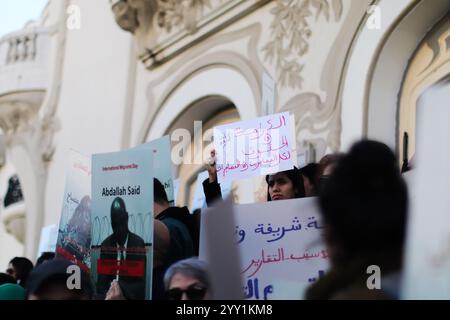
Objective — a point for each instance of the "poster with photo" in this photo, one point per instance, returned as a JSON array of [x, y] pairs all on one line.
[[122, 222], [74, 232]]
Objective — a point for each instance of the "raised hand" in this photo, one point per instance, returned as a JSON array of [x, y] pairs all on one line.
[[211, 166]]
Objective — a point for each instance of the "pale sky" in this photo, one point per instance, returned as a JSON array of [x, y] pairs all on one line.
[[15, 13]]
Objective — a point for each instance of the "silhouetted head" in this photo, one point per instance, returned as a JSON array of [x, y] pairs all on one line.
[[309, 174], [285, 185], [160, 200], [159, 193], [119, 220], [45, 256], [364, 203], [49, 281], [19, 268], [325, 168]]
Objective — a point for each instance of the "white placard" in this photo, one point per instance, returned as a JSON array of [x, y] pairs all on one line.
[[49, 236], [427, 262], [280, 247], [254, 147]]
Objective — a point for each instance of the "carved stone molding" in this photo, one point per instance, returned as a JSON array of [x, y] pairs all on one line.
[[290, 33], [134, 15], [126, 16], [165, 28], [176, 13]]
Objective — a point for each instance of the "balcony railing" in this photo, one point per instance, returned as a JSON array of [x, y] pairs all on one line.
[[24, 60], [22, 48]]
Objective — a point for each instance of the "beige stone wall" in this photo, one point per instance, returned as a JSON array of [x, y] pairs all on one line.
[[309, 77]]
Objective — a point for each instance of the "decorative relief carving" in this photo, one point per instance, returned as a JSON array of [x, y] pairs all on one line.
[[125, 16], [134, 15], [174, 13], [290, 35]]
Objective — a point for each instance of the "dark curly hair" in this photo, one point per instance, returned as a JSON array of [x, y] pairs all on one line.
[[297, 181]]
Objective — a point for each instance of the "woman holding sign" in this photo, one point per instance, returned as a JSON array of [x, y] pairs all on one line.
[[280, 186]]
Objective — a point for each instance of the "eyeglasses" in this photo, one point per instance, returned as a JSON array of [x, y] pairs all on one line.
[[9, 271], [193, 293]]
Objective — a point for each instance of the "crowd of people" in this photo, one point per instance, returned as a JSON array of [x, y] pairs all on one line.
[[363, 203]]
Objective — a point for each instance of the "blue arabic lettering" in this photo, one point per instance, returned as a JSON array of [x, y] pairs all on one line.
[[241, 234], [268, 290]]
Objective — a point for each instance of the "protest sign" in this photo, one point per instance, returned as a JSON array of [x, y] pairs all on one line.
[[47, 242], [254, 147], [280, 246], [74, 235], [218, 248], [122, 222], [162, 164], [427, 261]]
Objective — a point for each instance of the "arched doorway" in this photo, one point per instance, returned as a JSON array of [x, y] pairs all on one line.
[[377, 66], [199, 119], [213, 94], [429, 64]]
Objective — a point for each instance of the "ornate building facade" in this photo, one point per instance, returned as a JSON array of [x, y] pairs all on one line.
[[131, 71]]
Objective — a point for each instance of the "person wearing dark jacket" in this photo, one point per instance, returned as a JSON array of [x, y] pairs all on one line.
[[6, 278], [176, 237], [364, 207]]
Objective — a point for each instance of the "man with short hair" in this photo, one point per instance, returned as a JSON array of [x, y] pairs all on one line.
[[19, 268], [121, 247]]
